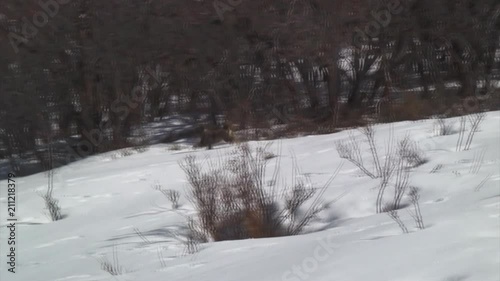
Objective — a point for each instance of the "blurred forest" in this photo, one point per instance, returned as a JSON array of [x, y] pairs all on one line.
[[92, 72]]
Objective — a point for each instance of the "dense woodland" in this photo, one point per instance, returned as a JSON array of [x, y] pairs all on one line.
[[81, 70]]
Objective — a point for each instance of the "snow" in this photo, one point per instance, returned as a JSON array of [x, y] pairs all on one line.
[[106, 199]]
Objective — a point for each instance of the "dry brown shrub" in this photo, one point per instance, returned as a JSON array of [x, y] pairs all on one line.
[[234, 199]]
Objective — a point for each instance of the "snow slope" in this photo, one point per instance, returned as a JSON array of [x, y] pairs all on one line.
[[108, 199]]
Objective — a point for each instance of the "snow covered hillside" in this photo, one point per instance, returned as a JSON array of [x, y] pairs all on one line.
[[113, 214]]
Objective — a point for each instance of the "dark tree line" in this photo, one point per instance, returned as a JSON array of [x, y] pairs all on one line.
[[77, 70]]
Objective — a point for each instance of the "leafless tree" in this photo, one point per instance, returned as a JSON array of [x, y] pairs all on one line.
[[98, 70]]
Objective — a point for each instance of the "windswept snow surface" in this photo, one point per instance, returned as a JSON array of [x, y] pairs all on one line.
[[107, 200]]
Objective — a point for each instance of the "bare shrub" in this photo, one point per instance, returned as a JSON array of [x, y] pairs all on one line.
[[141, 148], [409, 152], [228, 196], [400, 184], [297, 197], [203, 193], [387, 172], [52, 205], [394, 163], [474, 120], [269, 155], [461, 132], [194, 237], [350, 150], [416, 214], [175, 147], [126, 152], [233, 201], [390, 164], [393, 214], [396, 170], [443, 127], [369, 133], [112, 267], [172, 196]]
